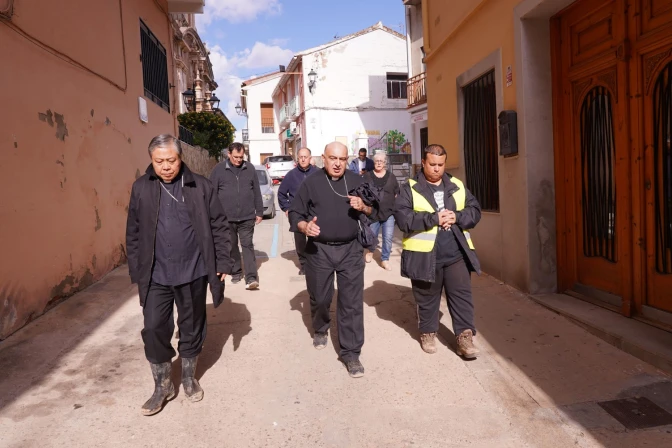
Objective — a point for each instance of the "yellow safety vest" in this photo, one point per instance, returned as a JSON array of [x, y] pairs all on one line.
[[424, 241]]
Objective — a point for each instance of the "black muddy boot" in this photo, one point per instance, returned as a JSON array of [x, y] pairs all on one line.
[[192, 389], [163, 388]]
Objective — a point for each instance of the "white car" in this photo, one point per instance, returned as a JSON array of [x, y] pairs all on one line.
[[267, 192]]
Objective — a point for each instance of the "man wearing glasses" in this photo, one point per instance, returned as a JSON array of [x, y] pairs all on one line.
[[287, 192]]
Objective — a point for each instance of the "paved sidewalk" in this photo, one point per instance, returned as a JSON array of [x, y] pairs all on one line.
[[77, 376]]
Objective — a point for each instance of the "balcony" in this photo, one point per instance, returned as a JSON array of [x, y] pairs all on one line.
[[283, 114], [246, 136], [293, 107], [417, 90]]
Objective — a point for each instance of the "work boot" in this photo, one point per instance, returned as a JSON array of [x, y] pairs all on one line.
[[163, 388], [192, 389], [465, 345], [355, 368], [320, 340], [428, 342]]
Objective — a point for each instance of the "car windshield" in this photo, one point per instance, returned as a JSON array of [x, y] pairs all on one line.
[[263, 180], [279, 159]]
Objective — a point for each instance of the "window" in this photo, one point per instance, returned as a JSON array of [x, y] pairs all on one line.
[[396, 85], [276, 159], [154, 68], [480, 141], [267, 126], [261, 175]]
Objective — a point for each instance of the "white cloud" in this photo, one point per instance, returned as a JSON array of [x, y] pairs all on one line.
[[236, 11], [264, 56], [279, 41]]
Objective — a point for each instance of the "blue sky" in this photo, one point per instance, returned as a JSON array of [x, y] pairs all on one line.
[[252, 37]]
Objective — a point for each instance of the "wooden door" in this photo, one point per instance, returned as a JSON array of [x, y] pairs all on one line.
[[652, 105], [592, 154]]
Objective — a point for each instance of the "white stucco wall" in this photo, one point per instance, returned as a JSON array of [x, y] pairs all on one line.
[[350, 96], [261, 143]]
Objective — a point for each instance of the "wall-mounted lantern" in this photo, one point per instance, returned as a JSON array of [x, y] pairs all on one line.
[[312, 79]]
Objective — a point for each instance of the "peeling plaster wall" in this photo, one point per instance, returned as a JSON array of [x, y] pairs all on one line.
[[71, 145], [351, 89]]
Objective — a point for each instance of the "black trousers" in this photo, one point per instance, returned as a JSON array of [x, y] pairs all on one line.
[[159, 326], [455, 280], [347, 262], [244, 230], [300, 241]]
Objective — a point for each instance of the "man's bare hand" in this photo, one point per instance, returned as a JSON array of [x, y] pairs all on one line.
[[446, 218], [357, 203], [221, 276], [310, 228], [258, 219]]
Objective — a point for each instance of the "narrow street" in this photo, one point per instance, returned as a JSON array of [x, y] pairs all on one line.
[[77, 376]]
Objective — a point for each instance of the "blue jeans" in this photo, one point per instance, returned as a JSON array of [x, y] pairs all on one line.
[[388, 233]]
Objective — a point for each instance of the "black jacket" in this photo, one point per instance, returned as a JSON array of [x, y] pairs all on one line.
[[289, 186], [385, 206], [420, 265], [240, 195], [207, 217]]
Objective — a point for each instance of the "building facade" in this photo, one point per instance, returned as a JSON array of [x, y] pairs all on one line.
[[558, 118], [89, 86], [351, 90], [417, 81], [256, 100]]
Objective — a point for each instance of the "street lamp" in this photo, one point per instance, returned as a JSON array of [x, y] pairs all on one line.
[[240, 111], [214, 101], [189, 96], [312, 77]]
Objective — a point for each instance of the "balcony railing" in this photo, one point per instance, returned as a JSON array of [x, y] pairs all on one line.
[[246, 136], [186, 135], [283, 113], [417, 90], [293, 107]]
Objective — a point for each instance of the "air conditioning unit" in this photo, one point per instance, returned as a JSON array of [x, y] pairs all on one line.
[[296, 132], [292, 127]]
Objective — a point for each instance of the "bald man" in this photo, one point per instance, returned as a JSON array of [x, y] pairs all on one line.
[[324, 211]]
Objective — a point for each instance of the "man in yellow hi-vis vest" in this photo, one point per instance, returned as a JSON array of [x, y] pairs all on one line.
[[435, 212]]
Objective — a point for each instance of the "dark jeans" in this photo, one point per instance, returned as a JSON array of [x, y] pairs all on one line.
[[455, 280], [244, 230], [347, 262], [300, 241], [159, 325]]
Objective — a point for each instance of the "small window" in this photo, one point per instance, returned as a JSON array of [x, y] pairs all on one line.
[[154, 68], [261, 175], [396, 86], [276, 159], [267, 126]]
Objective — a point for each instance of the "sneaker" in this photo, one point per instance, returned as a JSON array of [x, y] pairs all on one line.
[[355, 368], [320, 340], [236, 278], [465, 345], [428, 342], [253, 285]]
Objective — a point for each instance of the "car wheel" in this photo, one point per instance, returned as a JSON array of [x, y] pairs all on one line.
[[273, 213]]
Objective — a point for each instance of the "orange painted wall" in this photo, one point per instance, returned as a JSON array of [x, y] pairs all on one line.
[[64, 195]]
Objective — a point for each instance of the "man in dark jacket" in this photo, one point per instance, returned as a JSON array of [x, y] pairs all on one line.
[[362, 164], [287, 192], [237, 186], [435, 212], [177, 242]]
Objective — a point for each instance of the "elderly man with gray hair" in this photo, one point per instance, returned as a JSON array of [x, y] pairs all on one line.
[[178, 243]]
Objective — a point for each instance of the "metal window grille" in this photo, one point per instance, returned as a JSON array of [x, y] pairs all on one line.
[[480, 141], [154, 68], [662, 178], [598, 184], [267, 126], [396, 86]]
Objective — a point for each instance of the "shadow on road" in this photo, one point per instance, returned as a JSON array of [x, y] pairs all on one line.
[[291, 256], [301, 303]]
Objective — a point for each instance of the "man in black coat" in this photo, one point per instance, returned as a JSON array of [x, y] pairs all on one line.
[[177, 242], [237, 186], [435, 211], [289, 187]]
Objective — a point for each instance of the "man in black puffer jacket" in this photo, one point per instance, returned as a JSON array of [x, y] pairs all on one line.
[[178, 242], [237, 186], [288, 191]]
